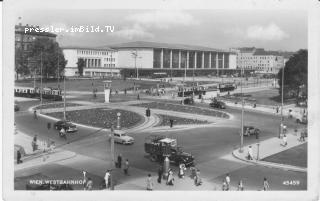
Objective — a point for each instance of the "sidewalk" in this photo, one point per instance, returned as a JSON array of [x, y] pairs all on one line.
[[270, 147]]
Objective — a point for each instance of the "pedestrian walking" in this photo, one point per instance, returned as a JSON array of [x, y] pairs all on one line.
[[34, 143], [125, 91], [285, 143], [138, 97], [149, 183], [182, 168], [160, 173], [250, 153], [277, 109], [224, 185], [89, 184], [107, 179], [49, 125], [35, 116], [126, 167], [240, 186], [170, 178], [228, 181], [171, 123], [119, 161], [19, 157], [265, 184], [198, 180]]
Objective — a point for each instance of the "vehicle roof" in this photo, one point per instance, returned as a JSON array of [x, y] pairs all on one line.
[[167, 140], [119, 132]]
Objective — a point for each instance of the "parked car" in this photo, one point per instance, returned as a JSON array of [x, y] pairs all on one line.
[[250, 130], [303, 119], [67, 125], [188, 101], [218, 104], [16, 107], [121, 137]]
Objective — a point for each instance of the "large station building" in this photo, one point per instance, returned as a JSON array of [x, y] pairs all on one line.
[[146, 58]]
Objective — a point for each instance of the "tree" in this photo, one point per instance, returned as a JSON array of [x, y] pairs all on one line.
[[295, 74], [21, 59], [50, 53], [81, 65]]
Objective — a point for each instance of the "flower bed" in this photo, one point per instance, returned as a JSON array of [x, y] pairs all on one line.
[[101, 117], [165, 121], [56, 105], [183, 108]]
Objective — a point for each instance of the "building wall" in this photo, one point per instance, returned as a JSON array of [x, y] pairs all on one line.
[[144, 58], [232, 61]]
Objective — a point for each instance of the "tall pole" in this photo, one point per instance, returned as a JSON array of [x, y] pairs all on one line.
[[282, 83], [41, 81], [111, 63], [64, 98], [193, 80], [242, 112], [58, 72]]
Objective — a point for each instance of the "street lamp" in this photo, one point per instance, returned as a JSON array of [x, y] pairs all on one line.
[[41, 82], [242, 113], [281, 125], [64, 98], [118, 120]]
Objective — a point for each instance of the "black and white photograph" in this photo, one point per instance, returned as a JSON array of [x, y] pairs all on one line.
[[162, 99]]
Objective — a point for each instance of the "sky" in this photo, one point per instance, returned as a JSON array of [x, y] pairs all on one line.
[[285, 30]]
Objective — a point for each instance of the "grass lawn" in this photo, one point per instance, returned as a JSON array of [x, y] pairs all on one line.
[[89, 85], [297, 156], [165, 120], [183, 108], [101, 117]]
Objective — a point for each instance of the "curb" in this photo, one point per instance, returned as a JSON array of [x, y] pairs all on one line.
[[271, 165]]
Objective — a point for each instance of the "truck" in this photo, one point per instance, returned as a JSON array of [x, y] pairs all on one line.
[[159, 147]]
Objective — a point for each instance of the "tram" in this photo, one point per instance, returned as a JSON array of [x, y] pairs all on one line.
[[227, 87], [47, 93], [189, 91]]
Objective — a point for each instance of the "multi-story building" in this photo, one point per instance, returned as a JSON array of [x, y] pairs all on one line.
[[97, 61], [259, 60], [24, 40]]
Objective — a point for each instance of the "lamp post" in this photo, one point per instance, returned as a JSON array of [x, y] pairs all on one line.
[[112, 156], [282, 82], [258, 150], [41, 82], [111, 64], [242, 113], [64, 98]]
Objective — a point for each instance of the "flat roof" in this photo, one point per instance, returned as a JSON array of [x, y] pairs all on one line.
[[145, 44], [88, 48]]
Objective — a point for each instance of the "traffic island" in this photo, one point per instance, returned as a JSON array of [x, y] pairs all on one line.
[[101, 117], [165, 121]]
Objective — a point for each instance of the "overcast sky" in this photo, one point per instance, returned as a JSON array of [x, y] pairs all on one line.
[[272, 30]]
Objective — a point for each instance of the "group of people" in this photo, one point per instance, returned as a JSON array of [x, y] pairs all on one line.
[[240, 187]]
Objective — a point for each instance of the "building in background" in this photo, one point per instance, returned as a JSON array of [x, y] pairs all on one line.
[[147, 58], [98, 61], [23, 43], [259, 60]]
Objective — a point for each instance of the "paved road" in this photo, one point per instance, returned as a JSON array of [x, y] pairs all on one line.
[[206, 144]]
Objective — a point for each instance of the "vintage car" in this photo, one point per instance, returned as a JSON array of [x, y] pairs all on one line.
[[250, 130], [67, 125], [121, 137]]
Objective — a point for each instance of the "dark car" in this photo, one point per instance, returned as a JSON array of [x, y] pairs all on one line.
[[218, 104], [250, 130], [188, 101], [68, 126], [16, 107]]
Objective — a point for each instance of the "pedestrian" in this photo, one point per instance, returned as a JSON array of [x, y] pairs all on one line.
[[277, 109], [63, 133], [250, 153], [160, 173], [107, 178], [138, 97], [35, 116], [228, 181], [149, 183], [34, 143], [265, 184], [125, 91], [198, 180], [240, 186], [171, 123], [126, 167], [290, 114], [285, 143], [224, 185], [19, 157], [119, 161], [170, 178], [89, 184], [49, 125], [182, 168]]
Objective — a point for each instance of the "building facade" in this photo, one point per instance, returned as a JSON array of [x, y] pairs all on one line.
[[259, 60], [97, 61]]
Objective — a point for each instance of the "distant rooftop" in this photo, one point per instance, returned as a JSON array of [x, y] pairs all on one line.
[[263, 52], [144, 44], [87, 48]]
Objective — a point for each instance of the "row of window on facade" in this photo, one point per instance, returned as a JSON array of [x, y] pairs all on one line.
[[195, 60], [95, 63], [93, 52], [259, 57]]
